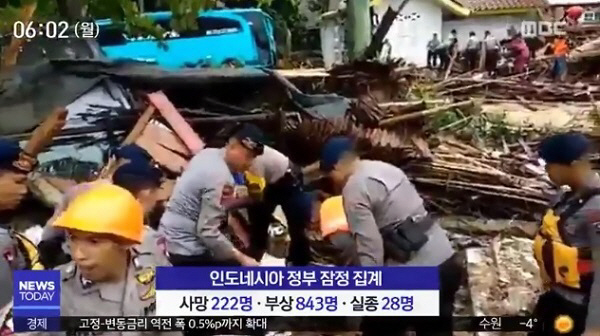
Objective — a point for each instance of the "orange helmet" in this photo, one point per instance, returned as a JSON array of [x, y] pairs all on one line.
[[332, 216], [105, 208]]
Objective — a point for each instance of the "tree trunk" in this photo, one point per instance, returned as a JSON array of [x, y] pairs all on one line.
[[11, 53], [359, 27], [72, 10]]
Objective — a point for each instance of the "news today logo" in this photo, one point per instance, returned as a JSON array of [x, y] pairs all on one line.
[[37, 288], [36, 298], [542, 28]]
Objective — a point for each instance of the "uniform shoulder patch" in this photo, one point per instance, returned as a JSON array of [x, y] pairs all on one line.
[[145, 279], [145, 276]]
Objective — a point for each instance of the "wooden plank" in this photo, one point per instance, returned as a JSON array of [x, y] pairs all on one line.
[[303, 73]]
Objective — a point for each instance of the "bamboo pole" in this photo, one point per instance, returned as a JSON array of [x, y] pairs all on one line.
[[396, 119]]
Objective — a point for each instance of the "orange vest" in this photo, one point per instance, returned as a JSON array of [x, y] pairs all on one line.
[[332, 216], [560, 47]]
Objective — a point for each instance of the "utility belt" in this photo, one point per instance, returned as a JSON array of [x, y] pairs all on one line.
[[291, 179], [401, 240]]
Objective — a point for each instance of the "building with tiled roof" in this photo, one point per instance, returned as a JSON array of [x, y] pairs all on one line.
[[420, 19], [492, 6]]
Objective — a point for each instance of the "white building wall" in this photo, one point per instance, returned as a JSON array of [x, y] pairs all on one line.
[[496, 24], [412, 29]]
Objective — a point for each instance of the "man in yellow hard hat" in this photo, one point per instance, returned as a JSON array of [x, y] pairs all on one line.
[[138, 174], [107, 276]]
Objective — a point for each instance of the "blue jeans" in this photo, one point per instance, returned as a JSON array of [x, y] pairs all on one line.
[[560, 67]]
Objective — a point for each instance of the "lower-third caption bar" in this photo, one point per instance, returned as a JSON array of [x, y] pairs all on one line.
[[240, 325]]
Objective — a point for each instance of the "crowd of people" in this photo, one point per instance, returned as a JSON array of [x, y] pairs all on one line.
[[439, 53], [487, 53], [107, 249]]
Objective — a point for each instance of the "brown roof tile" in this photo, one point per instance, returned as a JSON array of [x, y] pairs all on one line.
[[484, 5]]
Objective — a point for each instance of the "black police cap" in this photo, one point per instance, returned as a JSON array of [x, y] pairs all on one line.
[[564, 148], [251, 137]]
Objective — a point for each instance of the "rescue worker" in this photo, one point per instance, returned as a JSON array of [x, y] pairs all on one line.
[[108, 275], [492, 51], [472, 51], [446, 50], [284, 187], [432, 54], [388, 219], [17, 251], [567, 244], [143, 181], [560, 49], [520, 51], [198, 206], [336, 245], [15, 248], [53, 239], [135, 174], [572, 15], [6, 298]]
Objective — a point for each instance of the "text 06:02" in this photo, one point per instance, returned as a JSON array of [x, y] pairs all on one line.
[[50, 29]]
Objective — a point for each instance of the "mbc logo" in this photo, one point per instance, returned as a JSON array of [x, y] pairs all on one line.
[[542, 28]]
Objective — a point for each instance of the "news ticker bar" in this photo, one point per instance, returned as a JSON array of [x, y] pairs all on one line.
[[241, 325]]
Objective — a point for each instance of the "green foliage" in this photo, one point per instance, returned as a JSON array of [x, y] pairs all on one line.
[[8, 16], [482, 129], [122, 12], [286, 14]]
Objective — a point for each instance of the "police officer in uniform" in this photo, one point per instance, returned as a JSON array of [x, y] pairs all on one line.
[[15, 248], [387, 217], [143, 181], [135, 173], [16, 251], [197, 209], [108, 275], [283, 187], [567, 245]]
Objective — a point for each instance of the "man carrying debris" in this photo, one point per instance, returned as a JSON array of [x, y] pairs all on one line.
[[284, 187], [390, 224], [201, 197], [446, 50], [135, 173], [567, 245], [492, 50], [472, 51], [108, 275], [520, 51]]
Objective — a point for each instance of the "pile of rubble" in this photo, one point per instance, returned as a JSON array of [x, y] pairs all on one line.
[[467, 142]]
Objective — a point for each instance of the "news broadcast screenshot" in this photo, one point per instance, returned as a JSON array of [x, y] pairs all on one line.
[[299, 167]]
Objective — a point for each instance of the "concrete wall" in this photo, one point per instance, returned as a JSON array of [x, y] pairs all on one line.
[[412, 29], [496, 24]]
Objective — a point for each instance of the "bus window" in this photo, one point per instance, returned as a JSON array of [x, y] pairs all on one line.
[[110, 36], [209, 26]]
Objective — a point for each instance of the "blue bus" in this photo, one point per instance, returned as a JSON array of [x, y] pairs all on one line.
[[224, 37]]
